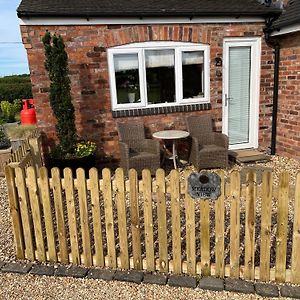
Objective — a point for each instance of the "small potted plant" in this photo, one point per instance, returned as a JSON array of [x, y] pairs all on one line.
[[5, 149], [132, 88], [69, 152]]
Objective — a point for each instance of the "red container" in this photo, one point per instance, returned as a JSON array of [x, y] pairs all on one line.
[[28, 115]]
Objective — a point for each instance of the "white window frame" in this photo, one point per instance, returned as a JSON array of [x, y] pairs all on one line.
[[140, 48]]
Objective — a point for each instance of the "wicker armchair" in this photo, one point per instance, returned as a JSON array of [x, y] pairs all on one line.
[[209, 149], [137, 152]]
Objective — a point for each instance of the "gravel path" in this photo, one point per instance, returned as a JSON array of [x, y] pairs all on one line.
[[6, 235], [31, 287]]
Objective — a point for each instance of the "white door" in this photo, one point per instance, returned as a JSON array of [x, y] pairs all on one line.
[[241, 77]]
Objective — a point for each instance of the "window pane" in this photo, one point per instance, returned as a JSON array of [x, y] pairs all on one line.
[[127, 78], [160, 76], [192, 74]]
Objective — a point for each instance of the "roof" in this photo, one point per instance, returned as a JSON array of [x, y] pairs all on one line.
[[290, 16], [151, 8]]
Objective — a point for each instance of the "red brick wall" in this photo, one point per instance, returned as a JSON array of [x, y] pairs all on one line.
[[86, 47], [288, 129]]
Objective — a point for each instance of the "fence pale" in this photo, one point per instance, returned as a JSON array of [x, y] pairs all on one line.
[[175, 210], [190, 229], [282, 223], [148, 220], [69, 190], [59, 213], [235, 191], [219, 220], [122, 225], [266, 215]]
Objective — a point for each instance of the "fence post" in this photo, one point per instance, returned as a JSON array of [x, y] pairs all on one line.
[[15, 212]]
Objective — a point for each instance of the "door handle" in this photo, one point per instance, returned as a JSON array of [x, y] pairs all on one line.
[[227, 99]]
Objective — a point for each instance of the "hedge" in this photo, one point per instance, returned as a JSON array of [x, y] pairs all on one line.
[[15, 87]]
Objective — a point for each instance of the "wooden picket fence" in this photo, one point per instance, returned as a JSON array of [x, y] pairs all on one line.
[[28, 153], [153, 224]]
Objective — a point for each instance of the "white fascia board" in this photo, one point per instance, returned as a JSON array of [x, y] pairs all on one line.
[[135, 21], [287, 29]]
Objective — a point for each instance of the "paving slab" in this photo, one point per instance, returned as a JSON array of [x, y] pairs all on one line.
[[42, 270], [77, 272], [102, 274], [61, 271], [266, 290], [239, 286], [21, 268], [129, 276], [211, 283], [159, 279], [182, 281], [290, 291]]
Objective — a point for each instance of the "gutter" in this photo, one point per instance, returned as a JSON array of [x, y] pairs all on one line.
[[274, 43], [155, 13]]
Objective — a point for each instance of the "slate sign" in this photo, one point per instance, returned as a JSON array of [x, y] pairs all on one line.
[[204, 185]]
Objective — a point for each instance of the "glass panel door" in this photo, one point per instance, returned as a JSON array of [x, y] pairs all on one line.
[[238, 98], [241, 90]]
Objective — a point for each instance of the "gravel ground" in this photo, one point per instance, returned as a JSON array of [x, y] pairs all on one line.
[[30, 287], [6, 235]]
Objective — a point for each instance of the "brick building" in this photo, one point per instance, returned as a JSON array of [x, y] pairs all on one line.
[[286, 33], [158, 62]]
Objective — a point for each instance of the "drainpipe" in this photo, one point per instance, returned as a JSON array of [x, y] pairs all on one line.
[[274, 43], [275, 97]]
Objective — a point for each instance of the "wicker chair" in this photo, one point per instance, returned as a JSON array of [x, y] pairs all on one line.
[[209, 149], [137, 152]]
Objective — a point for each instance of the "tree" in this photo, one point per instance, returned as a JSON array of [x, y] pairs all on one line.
[[56, 64]]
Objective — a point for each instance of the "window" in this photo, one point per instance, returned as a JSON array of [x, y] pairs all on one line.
[[156, 74]]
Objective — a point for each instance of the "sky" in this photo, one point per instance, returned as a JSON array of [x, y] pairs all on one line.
[[13, 59]]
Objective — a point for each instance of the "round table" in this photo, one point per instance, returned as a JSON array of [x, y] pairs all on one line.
[[171, 135]]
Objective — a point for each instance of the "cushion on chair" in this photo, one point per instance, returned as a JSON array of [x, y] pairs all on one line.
[[141, 155], [211, 148]]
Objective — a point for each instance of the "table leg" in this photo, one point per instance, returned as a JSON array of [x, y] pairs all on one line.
[[174, 153]]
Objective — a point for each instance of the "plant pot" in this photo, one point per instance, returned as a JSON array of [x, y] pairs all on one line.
[[131, 97], [86, 163]]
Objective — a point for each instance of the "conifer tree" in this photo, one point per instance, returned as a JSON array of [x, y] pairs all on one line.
[[56, 64]]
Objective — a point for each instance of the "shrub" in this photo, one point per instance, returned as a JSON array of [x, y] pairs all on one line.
[[60, 92], [9, 110], [4, 140], [15, 87]]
